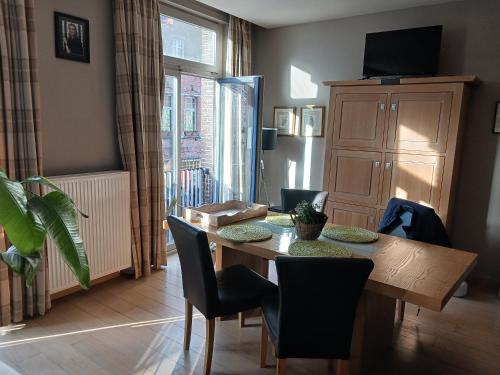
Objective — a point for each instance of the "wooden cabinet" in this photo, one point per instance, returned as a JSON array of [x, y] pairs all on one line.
[[355, 176], [398, 140], [417, 178], [359, 120], [347, 214], [419, 121]]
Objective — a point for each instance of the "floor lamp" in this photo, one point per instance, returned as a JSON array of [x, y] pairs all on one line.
[[269, 140]]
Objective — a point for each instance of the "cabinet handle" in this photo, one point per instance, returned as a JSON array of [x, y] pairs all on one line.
[[382, 107], [388, 165], [376, 163], [394, 106], [372, 220]]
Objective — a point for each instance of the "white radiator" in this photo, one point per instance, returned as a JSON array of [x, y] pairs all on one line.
[[105, 198]]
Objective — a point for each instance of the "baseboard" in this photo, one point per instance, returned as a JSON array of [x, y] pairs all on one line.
[[77, 288]]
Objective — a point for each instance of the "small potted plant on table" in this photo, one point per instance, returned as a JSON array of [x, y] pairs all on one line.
[[308, 221]]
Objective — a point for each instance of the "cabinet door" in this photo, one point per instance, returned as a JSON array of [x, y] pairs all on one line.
[[416, 178], [419, 121], [355, 176], [356, 216], [359, 120]]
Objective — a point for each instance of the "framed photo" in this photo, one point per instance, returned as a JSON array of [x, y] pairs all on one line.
[[71, 37], [284, 120], [496, 126], [312, 121]]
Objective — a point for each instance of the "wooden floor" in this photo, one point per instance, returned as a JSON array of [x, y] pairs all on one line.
[[136, 327]]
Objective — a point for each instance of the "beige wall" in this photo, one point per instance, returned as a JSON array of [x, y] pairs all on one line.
[[78, 120], [295, 60]]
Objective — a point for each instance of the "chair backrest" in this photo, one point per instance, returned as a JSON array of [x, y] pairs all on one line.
[[407, 219], [291, 197], [198, 274], [318, 301]]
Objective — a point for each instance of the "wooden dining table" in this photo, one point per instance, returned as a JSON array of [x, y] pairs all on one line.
[[406, 270]]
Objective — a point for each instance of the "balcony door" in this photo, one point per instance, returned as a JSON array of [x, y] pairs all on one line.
[[237, 138]]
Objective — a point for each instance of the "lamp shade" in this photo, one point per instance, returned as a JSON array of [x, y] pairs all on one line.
[[269, 138]]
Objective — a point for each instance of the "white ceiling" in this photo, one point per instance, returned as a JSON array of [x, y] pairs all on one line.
[[276, 13]]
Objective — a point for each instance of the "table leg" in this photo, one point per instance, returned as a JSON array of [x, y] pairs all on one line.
[[226, 257], [373, 331]]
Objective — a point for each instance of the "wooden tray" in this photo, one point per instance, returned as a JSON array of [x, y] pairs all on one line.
[[219, 214]]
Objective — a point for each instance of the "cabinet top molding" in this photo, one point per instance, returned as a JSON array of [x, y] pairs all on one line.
[[467, 79]]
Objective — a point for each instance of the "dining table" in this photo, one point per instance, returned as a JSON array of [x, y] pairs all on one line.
[[404, 270]]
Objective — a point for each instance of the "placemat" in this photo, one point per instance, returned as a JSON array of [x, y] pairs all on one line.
[[244, 233], [349, 234], [280, 220], [318, 249]]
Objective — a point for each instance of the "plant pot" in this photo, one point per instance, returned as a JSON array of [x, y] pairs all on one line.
[[309, 232]]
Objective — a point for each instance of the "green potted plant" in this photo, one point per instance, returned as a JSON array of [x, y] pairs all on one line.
[[308, 221], [27, 218]]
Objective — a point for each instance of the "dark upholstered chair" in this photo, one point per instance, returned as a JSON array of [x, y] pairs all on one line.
[[291, 197], [407, 219], [313, 316], [214, 294]]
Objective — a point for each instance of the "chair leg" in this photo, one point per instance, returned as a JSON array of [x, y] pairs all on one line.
[[401, 309], [264, 338], [331, 365], [281, 366], [209, 344], [241, 318], [342, 367], [188, 322]]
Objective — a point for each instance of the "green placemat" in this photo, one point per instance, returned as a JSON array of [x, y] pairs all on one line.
[[244, 233], [280, 220], [349, 234], [318, 249]]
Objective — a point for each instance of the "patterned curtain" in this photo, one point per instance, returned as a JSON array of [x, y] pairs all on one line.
[[20, 140], [239, 48], [139, 86]]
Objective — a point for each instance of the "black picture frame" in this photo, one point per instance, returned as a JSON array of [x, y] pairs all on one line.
[[496, 123], [76, 46]]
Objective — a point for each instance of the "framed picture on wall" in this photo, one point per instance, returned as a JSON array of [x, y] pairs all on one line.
[[312, 121], [71, 37], [496, 126], [284, 120]]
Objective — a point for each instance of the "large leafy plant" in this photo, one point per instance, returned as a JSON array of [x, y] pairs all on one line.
[[27, 218]]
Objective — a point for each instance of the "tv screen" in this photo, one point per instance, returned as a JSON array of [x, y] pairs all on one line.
[[403, 52]]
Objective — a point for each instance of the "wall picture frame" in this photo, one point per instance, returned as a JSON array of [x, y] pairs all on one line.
[[284, 120], [496, 125], [312, 121], [72, 37]]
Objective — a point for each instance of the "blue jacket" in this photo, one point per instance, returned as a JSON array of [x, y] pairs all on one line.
[[425, 225]]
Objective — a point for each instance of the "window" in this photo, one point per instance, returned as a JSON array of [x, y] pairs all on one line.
[[191, 43], [189, 114], [201, 41], [178, 50], [166, 118]]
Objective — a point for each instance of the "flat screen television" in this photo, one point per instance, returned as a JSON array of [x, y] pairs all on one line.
[[408, 52]]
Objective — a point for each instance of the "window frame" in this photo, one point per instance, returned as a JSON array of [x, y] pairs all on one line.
[[193, 67]]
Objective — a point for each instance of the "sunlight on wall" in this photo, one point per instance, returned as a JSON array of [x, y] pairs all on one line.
[[301, 86], [292, 169]]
